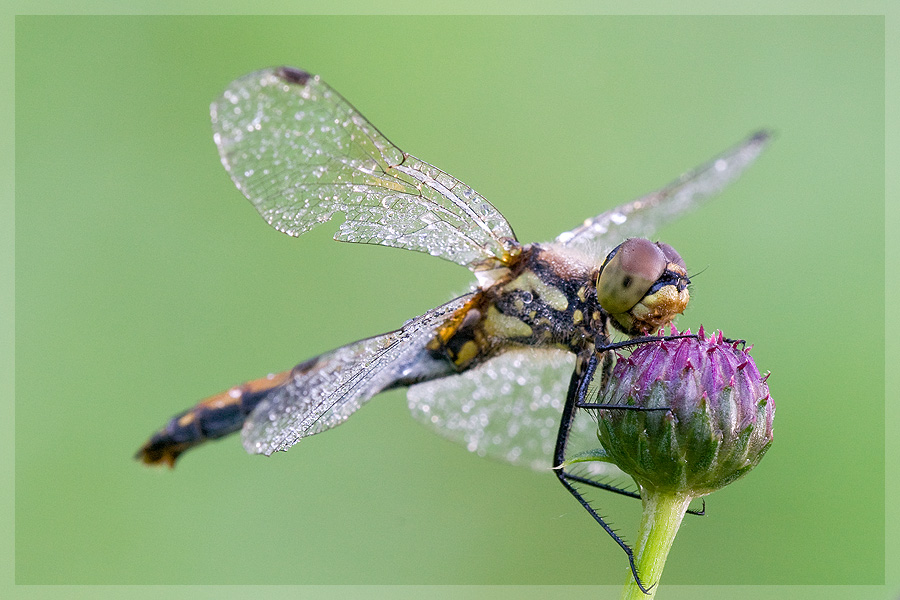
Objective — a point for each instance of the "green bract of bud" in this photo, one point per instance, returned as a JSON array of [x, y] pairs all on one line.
[[719, 422]]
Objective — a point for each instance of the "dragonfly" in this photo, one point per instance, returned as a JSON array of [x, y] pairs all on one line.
[[502, 369]]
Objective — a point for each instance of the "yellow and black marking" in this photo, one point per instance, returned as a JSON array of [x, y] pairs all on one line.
[[212, 418], [459, 340], [542, 301]]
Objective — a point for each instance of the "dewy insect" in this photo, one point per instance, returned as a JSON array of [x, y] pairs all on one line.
[[501, 369]]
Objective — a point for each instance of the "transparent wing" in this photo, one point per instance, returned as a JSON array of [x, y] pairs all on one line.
[[507, 408], [300, 152], [324, 392], [642, 217]]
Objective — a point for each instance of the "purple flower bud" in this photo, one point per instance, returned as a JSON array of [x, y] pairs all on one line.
[[719, 422]]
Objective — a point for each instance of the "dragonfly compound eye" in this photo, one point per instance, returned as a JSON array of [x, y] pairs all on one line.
[[628, 273], [672, 256], [642, 286]]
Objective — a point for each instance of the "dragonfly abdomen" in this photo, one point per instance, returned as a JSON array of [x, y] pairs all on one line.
[[212, 418]]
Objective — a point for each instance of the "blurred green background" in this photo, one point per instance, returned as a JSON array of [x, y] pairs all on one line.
[[144, 282]]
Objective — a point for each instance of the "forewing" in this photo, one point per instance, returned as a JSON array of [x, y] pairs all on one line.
[[300, 152], [508, 408], [642, 217], [326, 391]]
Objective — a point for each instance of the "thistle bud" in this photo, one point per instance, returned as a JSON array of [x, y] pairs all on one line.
[[719, 419]]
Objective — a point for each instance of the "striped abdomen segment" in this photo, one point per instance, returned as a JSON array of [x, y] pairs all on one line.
[[213, 418]]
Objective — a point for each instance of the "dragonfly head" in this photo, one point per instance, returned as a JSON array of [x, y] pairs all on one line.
[[642, 286]]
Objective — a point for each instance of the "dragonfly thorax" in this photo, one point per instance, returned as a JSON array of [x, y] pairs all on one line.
[[547, 298]]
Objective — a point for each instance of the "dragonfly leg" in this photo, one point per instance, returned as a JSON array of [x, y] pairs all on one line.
[[607, 370], [604, 380], [623, 492], [578, 389], [602, 486]]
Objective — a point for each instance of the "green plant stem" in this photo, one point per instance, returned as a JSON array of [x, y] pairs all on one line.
[[660, 520]]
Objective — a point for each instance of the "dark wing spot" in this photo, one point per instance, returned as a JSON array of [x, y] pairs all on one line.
[[292, 75], [761, 136]]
